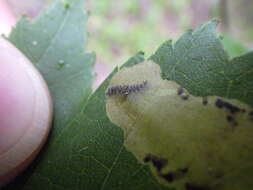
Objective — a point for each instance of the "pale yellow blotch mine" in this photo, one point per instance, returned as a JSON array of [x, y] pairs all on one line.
[[188, 134]]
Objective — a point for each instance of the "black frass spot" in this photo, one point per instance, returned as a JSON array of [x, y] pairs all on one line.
[[182, 94], [184, 170], [219, 103], [175, 175], [230, 107], [251, 115], [147, 158], [230, 118], [169, 177], [158, 163], [185, 97], [180, 91], [204, 101], [189, 186], [243, 110]]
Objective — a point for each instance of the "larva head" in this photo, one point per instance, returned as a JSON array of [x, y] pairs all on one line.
[[189, 142]]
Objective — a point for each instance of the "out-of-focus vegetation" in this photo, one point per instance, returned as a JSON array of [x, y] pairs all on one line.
[[120, 29]]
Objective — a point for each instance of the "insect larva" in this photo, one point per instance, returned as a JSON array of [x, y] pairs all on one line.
[[125, 89]]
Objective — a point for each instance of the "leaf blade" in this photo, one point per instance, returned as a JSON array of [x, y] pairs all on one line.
[[49, 43], [202, 66]]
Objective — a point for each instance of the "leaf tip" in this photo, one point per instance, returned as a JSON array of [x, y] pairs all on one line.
[[210, 26], [214, 22]]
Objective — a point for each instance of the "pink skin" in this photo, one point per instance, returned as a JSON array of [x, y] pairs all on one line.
[[25, 112], [25, 108], [16, 99]]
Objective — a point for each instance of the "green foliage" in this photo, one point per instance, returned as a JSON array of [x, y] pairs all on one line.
[[49, 43], [198, 62], [131, 21]]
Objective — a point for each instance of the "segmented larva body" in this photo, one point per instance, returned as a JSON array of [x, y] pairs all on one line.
[[123, 90]]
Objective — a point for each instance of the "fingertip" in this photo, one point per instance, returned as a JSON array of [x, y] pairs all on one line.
[[25, 111]]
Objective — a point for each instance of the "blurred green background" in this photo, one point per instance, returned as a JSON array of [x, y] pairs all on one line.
[[120, 29]]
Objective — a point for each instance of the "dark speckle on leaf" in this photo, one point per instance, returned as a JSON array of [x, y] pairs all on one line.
[[147, 158], [251, 115], [219, 103], [231, 108], [175, 175], [158, 163], [205, 101], [185, 97], [230, 118], [180, 91], [169, 177], [184, 170]]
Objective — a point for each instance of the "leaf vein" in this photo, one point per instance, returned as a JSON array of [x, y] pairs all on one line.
[[111, 168]]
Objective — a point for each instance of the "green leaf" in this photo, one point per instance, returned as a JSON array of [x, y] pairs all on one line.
[[55, 43], [198, 62]]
